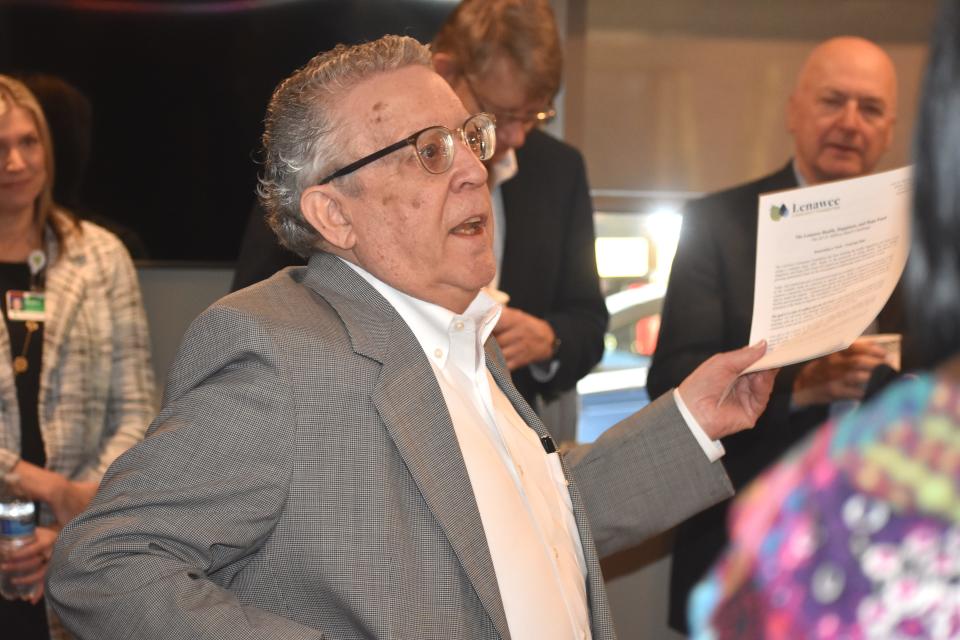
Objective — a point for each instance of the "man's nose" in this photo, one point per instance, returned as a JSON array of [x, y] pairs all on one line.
[[467, 168], [850, 117]]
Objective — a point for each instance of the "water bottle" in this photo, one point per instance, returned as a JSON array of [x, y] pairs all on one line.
[[16, 531]]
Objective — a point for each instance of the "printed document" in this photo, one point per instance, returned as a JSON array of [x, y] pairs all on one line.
[[828, 258]]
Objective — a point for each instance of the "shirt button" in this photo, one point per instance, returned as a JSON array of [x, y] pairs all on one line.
[[458, 325], [438, 353]]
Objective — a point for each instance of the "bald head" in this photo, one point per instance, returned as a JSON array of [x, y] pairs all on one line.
[[842, 110]]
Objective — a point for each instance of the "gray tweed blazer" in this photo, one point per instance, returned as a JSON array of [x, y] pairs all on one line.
[[304, 480]]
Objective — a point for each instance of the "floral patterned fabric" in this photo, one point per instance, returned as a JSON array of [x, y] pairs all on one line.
[[855, 534]]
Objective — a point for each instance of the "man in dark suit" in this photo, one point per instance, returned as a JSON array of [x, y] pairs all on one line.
[[841, 116], [504, 57], [341, 453]]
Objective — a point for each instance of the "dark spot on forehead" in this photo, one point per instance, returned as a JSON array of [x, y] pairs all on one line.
[[416, 204], [378, 112]]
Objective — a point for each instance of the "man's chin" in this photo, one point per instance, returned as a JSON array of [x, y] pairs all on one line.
[[480, 276], [830, 171]]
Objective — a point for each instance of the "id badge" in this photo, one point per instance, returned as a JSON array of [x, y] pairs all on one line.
[[26, 305]]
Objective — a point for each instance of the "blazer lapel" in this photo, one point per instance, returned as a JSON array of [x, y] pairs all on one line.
[[65, 287], [414, 413]]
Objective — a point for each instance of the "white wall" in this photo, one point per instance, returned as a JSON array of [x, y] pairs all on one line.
[[173, 296]]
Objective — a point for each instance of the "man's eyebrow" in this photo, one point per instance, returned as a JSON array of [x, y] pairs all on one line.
[[832, 91]]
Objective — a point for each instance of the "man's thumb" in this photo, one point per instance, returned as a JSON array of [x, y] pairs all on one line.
[[746, 356]]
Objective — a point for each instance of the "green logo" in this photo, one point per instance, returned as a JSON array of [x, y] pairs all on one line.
[[778, 212]]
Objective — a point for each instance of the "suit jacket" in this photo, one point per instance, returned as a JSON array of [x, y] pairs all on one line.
[[261, 255], [304, 480], [96, 384], [96, 394], [708, 309], [549, 264]]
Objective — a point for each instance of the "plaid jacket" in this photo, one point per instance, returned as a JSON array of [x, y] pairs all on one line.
[[96, 382]]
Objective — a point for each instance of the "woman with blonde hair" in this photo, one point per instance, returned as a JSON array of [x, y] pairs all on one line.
[[76, 387]]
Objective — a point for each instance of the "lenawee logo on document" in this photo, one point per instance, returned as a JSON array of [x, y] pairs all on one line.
[[777, 213]]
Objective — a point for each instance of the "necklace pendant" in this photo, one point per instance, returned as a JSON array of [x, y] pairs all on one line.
[[20, 365]]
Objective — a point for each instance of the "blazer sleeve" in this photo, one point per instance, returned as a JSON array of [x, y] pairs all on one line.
[[131, 395], [643, 476], [579, 314], [179, 514]]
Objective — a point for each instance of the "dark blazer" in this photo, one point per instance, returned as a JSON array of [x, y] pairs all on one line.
[[549, 263], [708, 309], [304, 480], [261, 255]]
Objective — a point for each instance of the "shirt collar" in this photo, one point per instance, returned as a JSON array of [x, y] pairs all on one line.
[[503, 169], [434, 326], [801, 181]]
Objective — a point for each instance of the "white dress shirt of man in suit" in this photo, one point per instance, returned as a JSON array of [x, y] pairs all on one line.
[[341, 453]]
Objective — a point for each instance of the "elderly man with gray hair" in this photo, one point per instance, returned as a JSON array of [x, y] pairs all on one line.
[[341, 453]]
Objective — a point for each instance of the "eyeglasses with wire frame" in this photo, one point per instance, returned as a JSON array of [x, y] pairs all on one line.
[[527, 119], [436, 146]]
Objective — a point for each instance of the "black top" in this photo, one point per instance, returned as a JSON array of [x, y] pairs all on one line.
[[30, 619], [16, 276]]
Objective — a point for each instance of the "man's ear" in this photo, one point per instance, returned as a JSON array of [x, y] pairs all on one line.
[[323, 209], [446, 67]]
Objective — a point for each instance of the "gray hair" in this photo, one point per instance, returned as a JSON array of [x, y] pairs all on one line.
[[302, 139]]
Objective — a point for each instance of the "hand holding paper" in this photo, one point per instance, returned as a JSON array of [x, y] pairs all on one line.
[[722, 399], [828, 258], [839, 376]]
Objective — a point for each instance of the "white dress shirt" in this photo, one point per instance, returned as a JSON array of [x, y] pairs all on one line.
[[504, 169], [520, 489]]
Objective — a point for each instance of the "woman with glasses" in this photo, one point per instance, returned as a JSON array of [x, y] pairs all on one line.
[[76, 387]]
